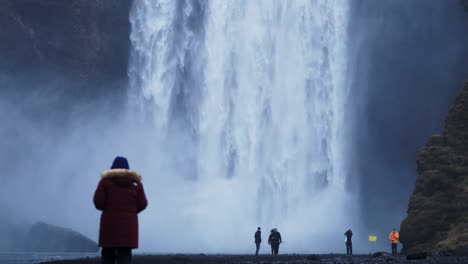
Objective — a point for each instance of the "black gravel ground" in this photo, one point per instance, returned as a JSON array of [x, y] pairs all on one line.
[[283, 259]]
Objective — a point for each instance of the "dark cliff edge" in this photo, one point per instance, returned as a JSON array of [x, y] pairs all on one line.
[[437, 218], [63, 63], [83, 41], [43, 237]]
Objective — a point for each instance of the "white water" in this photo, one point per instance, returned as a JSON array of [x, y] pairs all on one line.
[[246, 102]]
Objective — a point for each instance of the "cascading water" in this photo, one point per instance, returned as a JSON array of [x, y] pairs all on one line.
[[246, 100]]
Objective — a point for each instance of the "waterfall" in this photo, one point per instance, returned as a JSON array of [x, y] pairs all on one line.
[[246, 101]]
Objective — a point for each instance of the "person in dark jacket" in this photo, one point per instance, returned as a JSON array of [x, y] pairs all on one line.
[[349, 243], [120, 196], [258, 240], [274, 240]]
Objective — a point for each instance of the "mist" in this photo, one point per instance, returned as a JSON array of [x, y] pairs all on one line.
[[223, 150], [54, 146], [258, 123], [409, 64]]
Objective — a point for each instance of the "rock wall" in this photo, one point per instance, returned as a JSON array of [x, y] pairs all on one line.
[[61, 62], [79, 39], [438, 209]]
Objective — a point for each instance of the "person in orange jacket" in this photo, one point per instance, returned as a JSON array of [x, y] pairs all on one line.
[[394, 236]]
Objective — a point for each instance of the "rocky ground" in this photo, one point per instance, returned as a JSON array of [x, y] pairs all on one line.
[[284, 259]]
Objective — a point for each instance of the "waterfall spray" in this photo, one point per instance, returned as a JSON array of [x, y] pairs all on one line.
[[246, 100]]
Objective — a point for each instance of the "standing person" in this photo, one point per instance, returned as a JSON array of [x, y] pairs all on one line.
[[258, 239], [120, 197], [349, 243], [270, 238], [394, 236], [274, 240]]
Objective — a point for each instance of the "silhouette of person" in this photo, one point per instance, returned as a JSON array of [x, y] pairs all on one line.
[[349, 243], [274, 240], [258, 239]]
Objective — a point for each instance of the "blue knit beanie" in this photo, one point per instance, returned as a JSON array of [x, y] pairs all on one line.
[[120, 163]]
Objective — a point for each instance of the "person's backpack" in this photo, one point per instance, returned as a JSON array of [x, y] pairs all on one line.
[[275, 239]]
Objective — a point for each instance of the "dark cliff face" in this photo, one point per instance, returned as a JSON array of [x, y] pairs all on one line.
[[409, 61], [86, 40], [63, 63], [438, 210], [60, 61]]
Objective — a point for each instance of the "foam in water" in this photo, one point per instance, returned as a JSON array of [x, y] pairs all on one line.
[[246, 100]]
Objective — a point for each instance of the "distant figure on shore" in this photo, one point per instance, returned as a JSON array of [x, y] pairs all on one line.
[[120, 197], [274, 240], [258, 239], [349, 242], [394, 236]]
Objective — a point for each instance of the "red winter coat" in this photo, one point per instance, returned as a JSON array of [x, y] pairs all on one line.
[[120, 197]]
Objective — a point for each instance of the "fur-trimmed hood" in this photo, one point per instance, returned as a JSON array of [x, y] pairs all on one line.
[[121, 173]]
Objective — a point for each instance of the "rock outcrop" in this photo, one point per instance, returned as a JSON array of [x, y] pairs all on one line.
[[48, 238], [438, 209]]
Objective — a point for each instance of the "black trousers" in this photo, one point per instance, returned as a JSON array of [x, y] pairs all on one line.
[[257, 244], [122, 255], [349, 248], [394, 248], [274, 249]]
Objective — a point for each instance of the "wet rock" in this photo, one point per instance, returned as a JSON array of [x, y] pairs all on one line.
[[313, 258], [417, 256], [282, 259], [80, 39], [461, 251], [43, 237], [378, 254], [438, 212]]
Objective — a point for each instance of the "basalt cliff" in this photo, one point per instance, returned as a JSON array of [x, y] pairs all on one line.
[[77, 39], [437, 218]]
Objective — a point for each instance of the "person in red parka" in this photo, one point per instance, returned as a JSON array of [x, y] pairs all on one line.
[[120, 197]]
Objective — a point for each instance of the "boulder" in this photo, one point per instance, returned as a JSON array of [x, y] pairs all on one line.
[[378, 254], [43, 237], [417, 256], [437, 217]]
